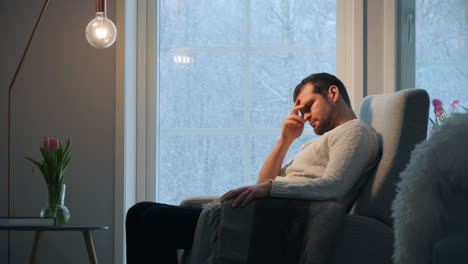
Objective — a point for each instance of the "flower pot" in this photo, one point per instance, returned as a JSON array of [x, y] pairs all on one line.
[[55, 204]]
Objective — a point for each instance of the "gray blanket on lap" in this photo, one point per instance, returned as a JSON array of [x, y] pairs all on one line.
[[274, 231]]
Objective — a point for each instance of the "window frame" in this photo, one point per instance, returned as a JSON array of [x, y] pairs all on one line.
[[405, 41]]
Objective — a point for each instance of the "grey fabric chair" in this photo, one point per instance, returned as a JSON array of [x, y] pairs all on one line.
[[400, 120]]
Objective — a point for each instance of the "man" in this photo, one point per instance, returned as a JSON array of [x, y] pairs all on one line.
[[326, 168]]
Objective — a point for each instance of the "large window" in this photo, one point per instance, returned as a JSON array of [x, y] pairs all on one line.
[[442, 49], [227, 70]]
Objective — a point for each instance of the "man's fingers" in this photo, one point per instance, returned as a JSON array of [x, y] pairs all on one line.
[[237, 201], [294, 121], [242, 196], [295, 109], [224, 196], [232, 194], [298, 102], [296, 118], [229, 195], [248, 199], [240, 199]]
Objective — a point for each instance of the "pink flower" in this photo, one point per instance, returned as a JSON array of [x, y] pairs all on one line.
[[438, 111], [431, 129], [437, 103], [455, 104], [54, 143], [46, 142]]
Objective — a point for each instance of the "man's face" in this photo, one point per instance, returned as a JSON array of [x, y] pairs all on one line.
[[318, 109]]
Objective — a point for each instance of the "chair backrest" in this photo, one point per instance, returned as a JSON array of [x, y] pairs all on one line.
[[400, 120]]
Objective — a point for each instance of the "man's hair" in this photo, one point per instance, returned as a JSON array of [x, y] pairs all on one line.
[[321, 82]]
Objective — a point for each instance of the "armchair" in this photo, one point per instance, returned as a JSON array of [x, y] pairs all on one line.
[[400, 120]]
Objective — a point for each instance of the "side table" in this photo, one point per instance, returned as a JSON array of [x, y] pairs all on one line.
[[86, 230]]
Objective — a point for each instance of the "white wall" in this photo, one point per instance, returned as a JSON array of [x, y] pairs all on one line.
[[380, 61], [374, 45], [65, 88]]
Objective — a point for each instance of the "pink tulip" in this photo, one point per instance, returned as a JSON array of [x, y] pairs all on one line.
[[54, 143], [455, 104], [46, 142], [438, 111], [437, 103], [431, 129]]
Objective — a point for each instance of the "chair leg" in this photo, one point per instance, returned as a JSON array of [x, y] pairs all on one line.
[[90, 247], [35, 247]]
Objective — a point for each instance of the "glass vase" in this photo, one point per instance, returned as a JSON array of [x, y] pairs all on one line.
[[55, 204]]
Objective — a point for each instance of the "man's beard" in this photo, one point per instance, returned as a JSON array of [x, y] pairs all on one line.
[[325, 126]]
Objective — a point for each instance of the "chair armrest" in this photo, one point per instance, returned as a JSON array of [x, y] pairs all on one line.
[[364, 239], [198, 201], [451, 249]]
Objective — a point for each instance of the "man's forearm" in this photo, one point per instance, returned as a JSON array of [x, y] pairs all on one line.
[[272, 166]]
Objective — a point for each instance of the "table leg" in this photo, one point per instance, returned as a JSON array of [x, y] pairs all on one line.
[[35, 247], [90, 247]]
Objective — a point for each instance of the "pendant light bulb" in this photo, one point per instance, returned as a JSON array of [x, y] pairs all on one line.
[[101, 31]]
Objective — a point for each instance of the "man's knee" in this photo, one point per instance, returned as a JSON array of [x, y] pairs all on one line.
[[136, 211]]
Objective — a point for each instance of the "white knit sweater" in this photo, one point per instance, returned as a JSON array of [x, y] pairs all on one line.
[[330, 166]]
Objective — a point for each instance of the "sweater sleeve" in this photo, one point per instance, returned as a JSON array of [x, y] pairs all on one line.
[[351, 152], [283, 169]]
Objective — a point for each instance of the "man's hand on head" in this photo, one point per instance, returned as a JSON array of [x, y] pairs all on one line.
[[244, 195], [293, 125]]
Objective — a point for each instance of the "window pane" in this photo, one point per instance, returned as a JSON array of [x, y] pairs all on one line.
[[200, 94], [194, 165], [306, 23], [202, 23], [227, 70], [442, 50]]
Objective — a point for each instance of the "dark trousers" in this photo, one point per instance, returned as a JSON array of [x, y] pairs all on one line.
[[155, 231]]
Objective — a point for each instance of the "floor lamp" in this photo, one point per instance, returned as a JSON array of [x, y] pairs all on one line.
[[100, 33]]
